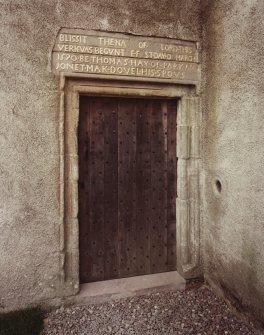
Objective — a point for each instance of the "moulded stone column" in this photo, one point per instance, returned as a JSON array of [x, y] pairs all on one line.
[[188, 208], [193, 267], [182, 216]]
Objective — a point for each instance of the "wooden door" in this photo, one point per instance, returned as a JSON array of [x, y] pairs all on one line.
[[127, 187]]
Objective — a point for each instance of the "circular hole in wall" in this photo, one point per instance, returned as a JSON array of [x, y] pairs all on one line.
[[218, 186]]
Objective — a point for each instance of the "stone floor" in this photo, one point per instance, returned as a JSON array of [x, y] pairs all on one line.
[[194, 311]]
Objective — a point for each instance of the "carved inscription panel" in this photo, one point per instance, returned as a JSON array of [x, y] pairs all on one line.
[[112, 55]]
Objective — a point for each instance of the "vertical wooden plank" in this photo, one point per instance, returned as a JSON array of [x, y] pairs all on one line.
[[83, 189], [127, 186], [159, 188], [110, 190], [96, 196], [164, 184], [172, 180], [143, 186]]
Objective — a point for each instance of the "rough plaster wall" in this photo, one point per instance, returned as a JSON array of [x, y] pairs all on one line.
[[29, 142], [234, 149]]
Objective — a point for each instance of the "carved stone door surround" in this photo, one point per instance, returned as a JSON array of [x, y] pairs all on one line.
[[188, 164]]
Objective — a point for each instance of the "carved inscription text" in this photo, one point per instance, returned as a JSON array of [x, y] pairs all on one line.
[[101, 54]]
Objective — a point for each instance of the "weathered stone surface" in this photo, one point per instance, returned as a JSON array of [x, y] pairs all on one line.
[[31, 214], [125, 56], [31, 260], [233, 137]]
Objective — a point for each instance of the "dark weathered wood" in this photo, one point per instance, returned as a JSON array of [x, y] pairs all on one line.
[[111, 259], [172, 180], [158, 194], [84, 189], [96, 198], [127, 187], [143, 186]]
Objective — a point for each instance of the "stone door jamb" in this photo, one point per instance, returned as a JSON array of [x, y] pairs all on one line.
[[188, 164]]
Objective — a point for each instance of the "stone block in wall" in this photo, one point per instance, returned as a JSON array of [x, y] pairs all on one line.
[[71, 202], [182, 217], [195, 142], [182, 179], [188, 179], [188, 112], [194, 179], [71, 161], [183, 142], [188, 238]]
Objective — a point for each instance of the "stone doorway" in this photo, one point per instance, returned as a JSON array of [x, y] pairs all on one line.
[[188, 162]]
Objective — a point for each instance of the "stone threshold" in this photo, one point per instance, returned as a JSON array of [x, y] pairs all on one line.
[[102, 291]]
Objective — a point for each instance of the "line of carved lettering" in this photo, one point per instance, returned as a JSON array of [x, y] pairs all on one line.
[[122, 53], [123, 43], [131, 62], [177, 48], [91, 50], [119, 70], [105, 41]]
